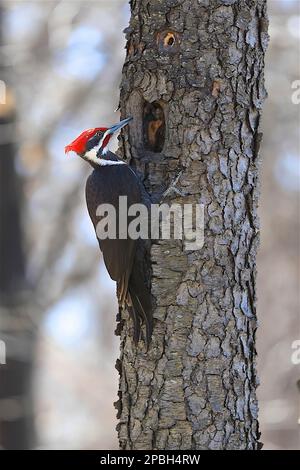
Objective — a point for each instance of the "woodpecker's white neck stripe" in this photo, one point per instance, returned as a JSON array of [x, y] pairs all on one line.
[[91, 156], [104, 162]]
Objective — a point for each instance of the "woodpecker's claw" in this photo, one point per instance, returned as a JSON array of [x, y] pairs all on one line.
[[174, 190]]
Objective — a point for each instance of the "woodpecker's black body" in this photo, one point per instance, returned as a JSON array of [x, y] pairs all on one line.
[[125, 259]]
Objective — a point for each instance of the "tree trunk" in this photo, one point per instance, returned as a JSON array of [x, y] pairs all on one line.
[[193, 82], [16, 414], [11, 252]]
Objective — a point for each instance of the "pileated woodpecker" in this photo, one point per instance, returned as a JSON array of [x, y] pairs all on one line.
[[125, 259]]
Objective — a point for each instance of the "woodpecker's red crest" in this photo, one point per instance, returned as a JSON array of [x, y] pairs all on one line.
[[79, 144]]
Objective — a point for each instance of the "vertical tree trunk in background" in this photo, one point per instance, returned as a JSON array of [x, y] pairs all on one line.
[[15, 375], [198, 65], [12, 259]]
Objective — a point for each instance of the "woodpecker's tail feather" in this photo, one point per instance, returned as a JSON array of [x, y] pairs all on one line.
[[136, 320], [141, 312]]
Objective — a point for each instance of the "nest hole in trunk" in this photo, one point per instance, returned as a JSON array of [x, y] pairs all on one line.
[[154, 127]]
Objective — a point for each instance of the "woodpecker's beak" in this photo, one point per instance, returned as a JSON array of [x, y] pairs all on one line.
[[118, 126]]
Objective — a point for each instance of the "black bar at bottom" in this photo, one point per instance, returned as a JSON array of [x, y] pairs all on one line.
[[134, 459]]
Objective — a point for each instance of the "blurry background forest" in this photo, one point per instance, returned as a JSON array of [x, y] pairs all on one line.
[[60, 69]]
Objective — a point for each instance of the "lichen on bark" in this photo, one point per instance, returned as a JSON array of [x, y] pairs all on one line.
[[202, 63]]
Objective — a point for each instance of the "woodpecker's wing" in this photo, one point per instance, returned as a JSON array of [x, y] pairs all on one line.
[[104, 186]]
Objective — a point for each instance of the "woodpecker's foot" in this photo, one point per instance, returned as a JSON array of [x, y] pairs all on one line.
[[172, 188], [174, 191]]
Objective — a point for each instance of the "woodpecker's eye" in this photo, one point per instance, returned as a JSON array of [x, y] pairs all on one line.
[[93, 141]]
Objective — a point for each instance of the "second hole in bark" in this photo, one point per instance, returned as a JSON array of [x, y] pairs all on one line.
[[154, 127]]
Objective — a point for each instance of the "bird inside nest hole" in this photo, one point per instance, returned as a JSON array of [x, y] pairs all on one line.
[[154, 127]]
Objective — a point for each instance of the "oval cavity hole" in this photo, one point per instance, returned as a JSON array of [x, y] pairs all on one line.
[[154, 127]]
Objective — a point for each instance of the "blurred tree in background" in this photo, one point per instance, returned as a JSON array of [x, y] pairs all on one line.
[[278, 260], [63, 60], [16, 430]]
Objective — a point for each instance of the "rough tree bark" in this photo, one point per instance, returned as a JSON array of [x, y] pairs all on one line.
[[193, 81]]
